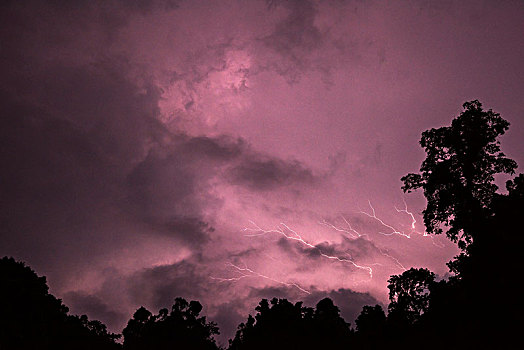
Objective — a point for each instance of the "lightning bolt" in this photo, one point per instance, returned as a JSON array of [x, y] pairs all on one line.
[[405, 210], [351, 231], [258, 231], [288, 233], [246, 272], [383, 252], [414, 221], [374, 216], [386, 254]]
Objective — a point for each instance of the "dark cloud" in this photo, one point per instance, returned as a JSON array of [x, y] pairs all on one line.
[[189, 226], [297, 31], [294, 39], [169, 191], [302, 41], [298, 248], [161, 194], [158, 286], [81, 141], [83, 303], [219, 148], [69, 134], [262, 173], [54, 183], [353, 249], [81, 138]]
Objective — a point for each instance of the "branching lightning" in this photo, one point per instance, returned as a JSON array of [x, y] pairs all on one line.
[[346, 230], [383, 252], [386, 254], [413, 223], [374, 216], [405, 210], [350, 231], [246, 272], [281, 230]]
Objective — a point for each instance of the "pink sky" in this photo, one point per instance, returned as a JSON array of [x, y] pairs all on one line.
[[234, 150]]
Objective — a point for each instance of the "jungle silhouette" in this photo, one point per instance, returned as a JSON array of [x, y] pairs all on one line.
[[472, 308]]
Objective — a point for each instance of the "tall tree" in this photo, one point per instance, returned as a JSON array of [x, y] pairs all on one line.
[[458, 179], [457, 175]]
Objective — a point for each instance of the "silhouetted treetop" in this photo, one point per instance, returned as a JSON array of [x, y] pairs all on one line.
[[32, 318], [515, 187], [180, 328], [279, 324], [409, 294], [371, 320], [457, 175]]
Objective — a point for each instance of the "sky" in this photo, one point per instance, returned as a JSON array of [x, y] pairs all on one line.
[[229, 151]]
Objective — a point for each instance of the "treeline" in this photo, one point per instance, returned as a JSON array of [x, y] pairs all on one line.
[[32, 318], [478, 306]]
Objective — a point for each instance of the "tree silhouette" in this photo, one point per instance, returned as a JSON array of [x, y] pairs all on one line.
[[180, 328], [457, 175], [371, 327], [409, 295], [283, 325], [32, 318], [330, 329], [371, 320]]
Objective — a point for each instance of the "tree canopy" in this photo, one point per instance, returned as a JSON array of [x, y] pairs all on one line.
[[457, 175], [458, 179], [180, 328], [409, 294], [280, 324], [32, 318]]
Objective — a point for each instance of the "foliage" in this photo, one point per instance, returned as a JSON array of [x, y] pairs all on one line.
[[409, 294], [31, 318], [371, 320], [371, 327], [284, 325], [180, 328], [457, 177], [458, 172]]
